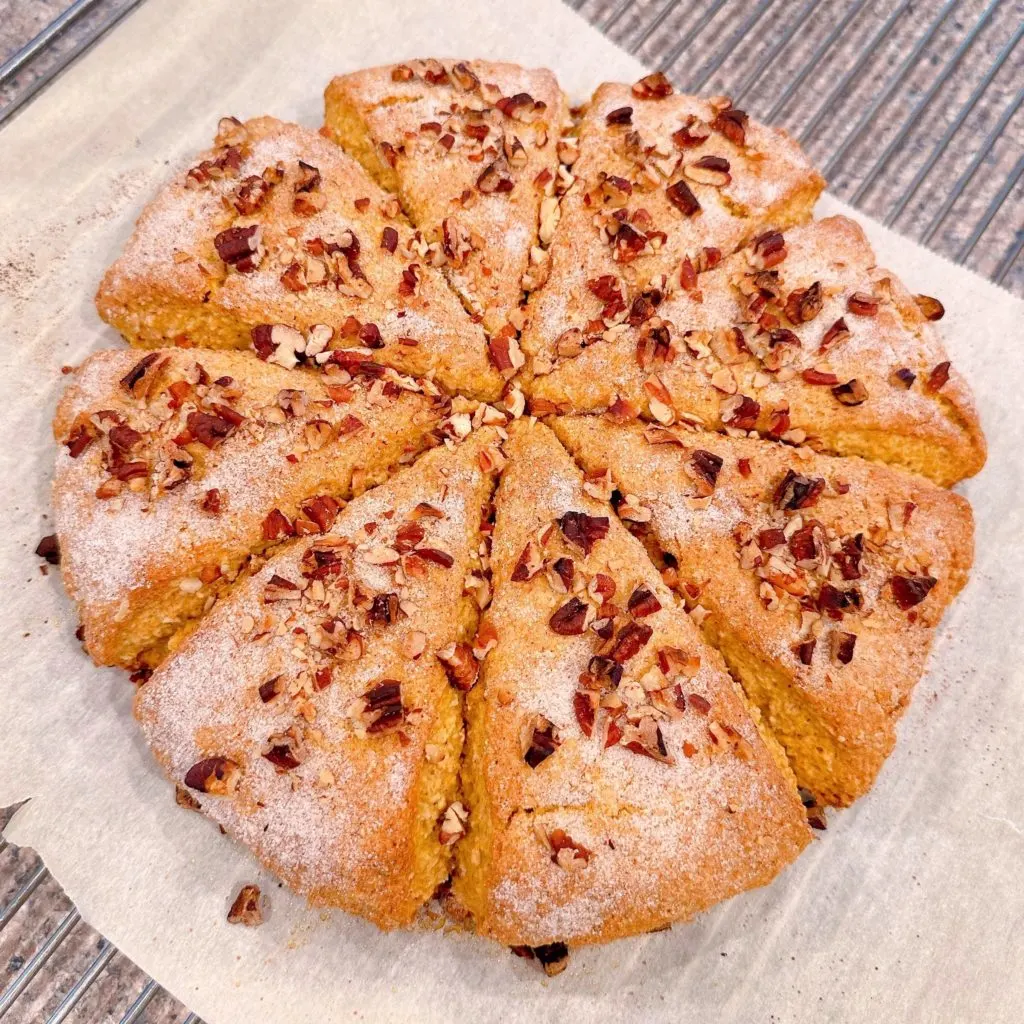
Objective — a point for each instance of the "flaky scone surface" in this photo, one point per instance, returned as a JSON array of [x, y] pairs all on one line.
[[821, 580], [176, 466], [641, 204], [317, 690], [823, 348], [603, 804], [276, 224], [471, 149]]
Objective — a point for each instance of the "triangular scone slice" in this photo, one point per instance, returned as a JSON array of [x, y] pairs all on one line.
[[277, 225], [820, 579], [823, 348], [310, 714], [616, 779], [665, 185], [176, 466], [471, 149]]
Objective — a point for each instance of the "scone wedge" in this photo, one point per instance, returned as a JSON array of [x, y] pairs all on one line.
[[277, 225], [664, 184], [821, 580], [616, 779], [311, 714], [176, 466], [801, 337], [471, 148]]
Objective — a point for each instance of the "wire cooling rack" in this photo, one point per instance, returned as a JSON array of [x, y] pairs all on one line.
[[911, 108]]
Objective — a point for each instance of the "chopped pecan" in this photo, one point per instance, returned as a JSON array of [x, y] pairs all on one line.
[[382, 707], [541, 741], [852, 392], [709, 170], [796, 491], [240, 247], [931, 309], [570, 619], [654, 86], [842, 647], [460, 665], [583, 530], [138, 371], [530, 562], [49, 550], [909, 591], [642, 603], [837, 333], [740, 412], [631, 639], [247, 908], [938, 377], [804, 304], [218, 776], [682, 198], [862, 304]]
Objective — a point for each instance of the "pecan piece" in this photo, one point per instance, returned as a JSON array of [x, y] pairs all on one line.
[[49, 550], [682, 198], [842, 647], [570, 619], [909, 591], [382, 707], [804, 304], [541, 741], [931, 309], [583, 530], [654, 86], [240, 247], [460, 665], [642, 603], [631, 639], [852, 392], [796, 491], [217, 776], [247, 908]]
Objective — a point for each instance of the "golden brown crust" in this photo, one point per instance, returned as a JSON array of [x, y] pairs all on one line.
[[831, 575], [146, 545], [704, 368], [629, 167], [338, 799], [669, 820], [332, 249], [471, 149]]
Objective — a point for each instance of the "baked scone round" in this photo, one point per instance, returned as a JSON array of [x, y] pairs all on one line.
[[510, 505]]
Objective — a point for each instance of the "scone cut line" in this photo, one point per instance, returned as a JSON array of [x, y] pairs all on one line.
[[496, 496]]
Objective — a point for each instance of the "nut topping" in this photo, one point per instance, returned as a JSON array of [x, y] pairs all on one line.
[[908, 591], [931, 309], [654, 86], [247, 907], [570, 619], [460, 665], [218, 776], [680, 196], [852, 392], [240, 248], [583, 530], [541, 741]]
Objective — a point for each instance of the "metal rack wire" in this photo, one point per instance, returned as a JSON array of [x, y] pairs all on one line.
[[911, 108]]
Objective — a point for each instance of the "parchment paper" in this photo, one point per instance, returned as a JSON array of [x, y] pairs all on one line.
[[909, 908]]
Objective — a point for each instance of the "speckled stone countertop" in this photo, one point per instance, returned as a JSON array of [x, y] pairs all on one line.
[[20, 20]]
